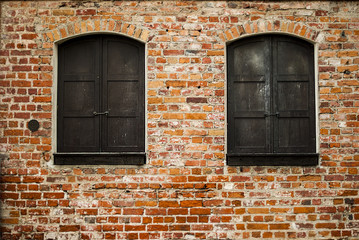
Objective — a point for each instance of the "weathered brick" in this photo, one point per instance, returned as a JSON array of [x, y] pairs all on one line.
[[200, 211], [133, 211], [31, 195], [63, 12], [87, 211], [69, 228], [191, 203], [167, 204], [195, 116], [185, 189], [86, 12], [257, 226], [304, 209]]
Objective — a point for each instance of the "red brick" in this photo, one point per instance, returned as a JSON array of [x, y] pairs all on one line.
[[240, 179], [22, 68], [10, 179], [279, 226], [155, 211], [41, 99], [31, 195], [215, 53], [9, 195], [133, 211], [304, 209], [29, 36], [86, 12], [111, 228], [69, 228], [135, 227], [87, 211], [257, 226], [195, 116], [200, 211], [38, 212], [173, 52], [179, 227], [157, 228], [32, 179], [310, 178], [326, 225], [236, 194], [64, 12], [191, 203], [258, 210], [167, 204], [177, 211]]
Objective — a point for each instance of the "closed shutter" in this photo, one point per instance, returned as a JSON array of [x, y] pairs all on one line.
[[78, 96], [123, 91], [293, 74], [249, 96], [271, 101], [101, 95]]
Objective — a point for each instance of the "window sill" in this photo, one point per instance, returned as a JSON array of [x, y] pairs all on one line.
[[272, 159], [94, 158]]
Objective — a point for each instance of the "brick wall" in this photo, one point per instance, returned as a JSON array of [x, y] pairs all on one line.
[[186, 190]]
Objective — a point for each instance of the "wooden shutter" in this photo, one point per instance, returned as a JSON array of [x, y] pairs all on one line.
[[78, 95], [101, 95], [293, 80], [123, 95], [248, 96], [271, 101]]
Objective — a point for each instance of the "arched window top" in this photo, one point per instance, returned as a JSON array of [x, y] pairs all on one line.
[[100, 34], [277, 34], [252, 53]]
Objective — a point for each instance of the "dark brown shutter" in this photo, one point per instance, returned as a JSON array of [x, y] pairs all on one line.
[[101, 95], [78, 95], [248, 96], [123, 91], [293, 74], [271, 101]]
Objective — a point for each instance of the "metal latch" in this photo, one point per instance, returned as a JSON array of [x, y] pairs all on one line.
[[101, 113]]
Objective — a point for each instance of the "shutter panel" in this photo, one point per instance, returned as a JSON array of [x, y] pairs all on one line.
[[78, 97], [293, 75], [248, 96], [123, 95]]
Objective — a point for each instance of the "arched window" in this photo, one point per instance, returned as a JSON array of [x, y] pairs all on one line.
[[271, 101], [100, 112]]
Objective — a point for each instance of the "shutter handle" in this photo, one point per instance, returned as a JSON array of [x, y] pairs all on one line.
[[271, 114], [101, 113]]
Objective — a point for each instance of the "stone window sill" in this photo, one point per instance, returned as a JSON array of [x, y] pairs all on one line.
[[272, 159], [105, 158]]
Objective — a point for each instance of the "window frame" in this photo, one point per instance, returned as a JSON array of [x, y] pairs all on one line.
[[131, 157], [272, 158]]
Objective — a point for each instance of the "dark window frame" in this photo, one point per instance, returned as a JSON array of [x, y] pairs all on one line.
[[270, 154], [103, 151]]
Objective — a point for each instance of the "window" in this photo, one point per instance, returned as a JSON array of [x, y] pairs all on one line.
[[271, 102], [100, 112]]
